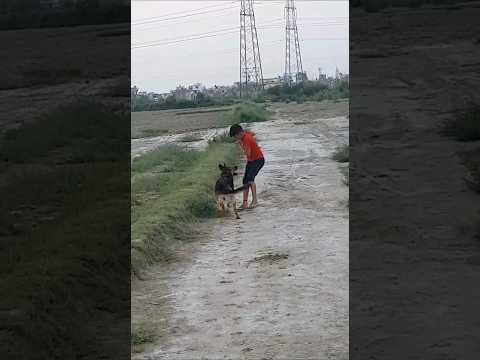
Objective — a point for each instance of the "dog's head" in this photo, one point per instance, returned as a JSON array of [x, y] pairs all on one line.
[[227, 171]]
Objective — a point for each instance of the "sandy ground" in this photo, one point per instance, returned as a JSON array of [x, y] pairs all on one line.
[[413, 289], [273, 285]]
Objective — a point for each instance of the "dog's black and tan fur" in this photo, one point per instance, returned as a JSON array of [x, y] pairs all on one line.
[[225, 191]]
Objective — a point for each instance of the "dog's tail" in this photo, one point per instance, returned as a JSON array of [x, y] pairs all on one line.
[[241, 188]]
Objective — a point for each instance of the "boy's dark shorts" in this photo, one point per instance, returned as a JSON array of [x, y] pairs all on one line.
[[252, 169]]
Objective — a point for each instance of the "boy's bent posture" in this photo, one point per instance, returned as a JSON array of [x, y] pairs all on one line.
[[255, 161]]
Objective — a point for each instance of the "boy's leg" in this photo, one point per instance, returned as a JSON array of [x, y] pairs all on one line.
[[245, 198], [254, 195], [245, 192], [258, 166]]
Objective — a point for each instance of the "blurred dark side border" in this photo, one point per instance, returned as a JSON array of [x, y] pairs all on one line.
[[414, 180], [65, 180]]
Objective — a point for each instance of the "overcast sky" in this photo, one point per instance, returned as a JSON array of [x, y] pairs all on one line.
[[161, 60]]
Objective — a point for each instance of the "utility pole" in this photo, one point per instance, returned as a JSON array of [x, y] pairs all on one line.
[[291, 33], [251, 76]]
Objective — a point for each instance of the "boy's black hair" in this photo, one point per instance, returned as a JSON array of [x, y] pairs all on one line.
[[235, 129]]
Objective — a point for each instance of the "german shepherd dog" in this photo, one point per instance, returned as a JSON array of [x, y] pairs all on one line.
[[225, 191]]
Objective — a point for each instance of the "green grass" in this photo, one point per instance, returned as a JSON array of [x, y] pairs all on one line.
[[142, 335], [89, 130], [167, 158], [342, 153], [66, 233], [471, 160], [172, 189], [247, 112], [345, 172], [464, 128]]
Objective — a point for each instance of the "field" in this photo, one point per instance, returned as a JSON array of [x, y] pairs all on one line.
[[154, 123], [64, 145], [41, 82], [414, 208]]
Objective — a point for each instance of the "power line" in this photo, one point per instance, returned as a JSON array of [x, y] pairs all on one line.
[[183, 40], [180, 12], [232, 32], [209, 36], [306, 20], [225, 31], [266, 44], [182, 16], [189, 14], [268, 24]]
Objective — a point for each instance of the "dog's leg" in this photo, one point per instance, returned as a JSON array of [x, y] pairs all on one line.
[[235, 210], [222, 212]]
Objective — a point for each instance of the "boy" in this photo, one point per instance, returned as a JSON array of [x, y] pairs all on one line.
[[255, 162]]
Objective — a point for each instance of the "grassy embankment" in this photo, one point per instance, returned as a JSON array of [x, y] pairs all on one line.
[[172, 189], [64, 208]]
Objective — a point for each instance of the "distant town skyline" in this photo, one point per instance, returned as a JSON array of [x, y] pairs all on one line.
[[185, 42], [316, 77]]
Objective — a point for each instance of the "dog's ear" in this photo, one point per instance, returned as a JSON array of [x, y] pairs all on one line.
[[220, 166]]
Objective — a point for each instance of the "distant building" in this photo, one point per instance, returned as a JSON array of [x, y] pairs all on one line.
[[219, 92], [340, 76], [134, 91], [272, 82], [181, 93]]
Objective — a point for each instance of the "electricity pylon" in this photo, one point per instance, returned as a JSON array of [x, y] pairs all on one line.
[[251, 76], [291, 33]]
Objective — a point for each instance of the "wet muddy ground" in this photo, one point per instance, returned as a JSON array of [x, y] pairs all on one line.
[[274, 284]]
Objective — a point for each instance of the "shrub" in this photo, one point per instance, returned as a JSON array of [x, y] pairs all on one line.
[[341, 154], [464, 128], [246, 113]]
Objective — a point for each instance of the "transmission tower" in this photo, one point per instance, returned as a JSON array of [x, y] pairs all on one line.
[[291, 34], [251, 76]]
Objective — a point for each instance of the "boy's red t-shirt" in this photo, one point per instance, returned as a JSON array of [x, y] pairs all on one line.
[[250, 146]]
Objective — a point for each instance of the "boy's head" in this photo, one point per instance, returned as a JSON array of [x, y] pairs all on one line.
[[236, 131]]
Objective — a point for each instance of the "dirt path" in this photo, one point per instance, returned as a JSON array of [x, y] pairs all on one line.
[[273, 285]]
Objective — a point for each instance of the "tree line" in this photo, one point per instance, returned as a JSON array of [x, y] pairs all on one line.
[[22, 14]]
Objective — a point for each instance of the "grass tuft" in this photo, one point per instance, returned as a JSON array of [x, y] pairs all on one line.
[[142, 336], [342, 153], [247, 112], [465, 127], [90, 128]]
